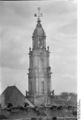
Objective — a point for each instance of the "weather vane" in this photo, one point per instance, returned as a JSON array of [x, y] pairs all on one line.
[[39, 14]]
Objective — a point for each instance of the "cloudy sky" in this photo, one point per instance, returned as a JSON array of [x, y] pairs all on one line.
[[17, 23]]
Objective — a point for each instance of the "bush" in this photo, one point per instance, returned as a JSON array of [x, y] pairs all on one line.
[[54, 118], [9, 105], [2, 117], [33, 118]]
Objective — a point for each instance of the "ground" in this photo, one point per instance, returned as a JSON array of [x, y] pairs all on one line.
[[38, 113]]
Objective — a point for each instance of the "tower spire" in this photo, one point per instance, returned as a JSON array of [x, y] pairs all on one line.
[[39, 14], [39, 75], [39, 37]]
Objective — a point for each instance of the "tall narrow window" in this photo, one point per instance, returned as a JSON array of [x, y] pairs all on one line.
[[42, 87]]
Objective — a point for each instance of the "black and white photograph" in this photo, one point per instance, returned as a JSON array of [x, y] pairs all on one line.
[[38, 60]]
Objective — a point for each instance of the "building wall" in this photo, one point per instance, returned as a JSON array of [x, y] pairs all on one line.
[[39, 72]]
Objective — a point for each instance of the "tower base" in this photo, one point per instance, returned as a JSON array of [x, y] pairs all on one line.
[[40, 100]]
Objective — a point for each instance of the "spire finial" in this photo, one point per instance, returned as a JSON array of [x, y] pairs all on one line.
[[39, 14]]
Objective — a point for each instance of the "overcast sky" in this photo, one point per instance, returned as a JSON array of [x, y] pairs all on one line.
[[17, 23]]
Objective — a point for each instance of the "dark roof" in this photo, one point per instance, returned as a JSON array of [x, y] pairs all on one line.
[[12, 95], [10, 90], [39, 32]]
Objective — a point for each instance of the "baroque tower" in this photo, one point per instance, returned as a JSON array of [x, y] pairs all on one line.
[[39, 76]]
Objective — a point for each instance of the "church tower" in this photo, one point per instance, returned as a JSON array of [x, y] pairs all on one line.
[[39, 75]]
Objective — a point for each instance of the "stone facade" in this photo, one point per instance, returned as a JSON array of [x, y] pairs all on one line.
[[39, 75]]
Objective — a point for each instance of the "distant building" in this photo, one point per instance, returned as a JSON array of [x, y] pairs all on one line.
[[12, 95], [39, 75]]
